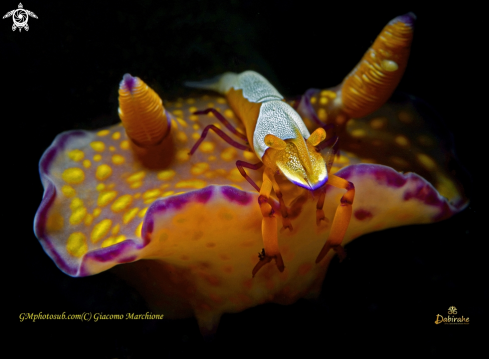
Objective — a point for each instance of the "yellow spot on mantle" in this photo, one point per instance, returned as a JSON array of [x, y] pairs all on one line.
[[229, 154], [103, 172], [207, 147], [117, 159], [142, 212], [78, 215], [100, 230], [87, 163], [151, 194], [235, 175], [181, 136], [401, 140], [121, 203], [73, 175], [166, 175], [322, 115], [199, 168], [378, 123], [68, 191], [125, 145], [88, 220], [98, 146], [136, 184], [129, 215], [105, 198], [113, 240], [182, 122], [250, 156], [196, 183], [96, 212], [137, 232], [116, 135], [138, 176], [328, 93], [182, 155], [97, 157], [115, 229], [76, 203], [103, 133], [358, 132], [426, 161], [77, 244], [76, 155]]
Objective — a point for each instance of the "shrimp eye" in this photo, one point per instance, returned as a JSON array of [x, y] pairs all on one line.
[[318, 136], [275, 142]]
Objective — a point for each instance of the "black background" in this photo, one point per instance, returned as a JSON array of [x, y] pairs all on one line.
[[64, 73]]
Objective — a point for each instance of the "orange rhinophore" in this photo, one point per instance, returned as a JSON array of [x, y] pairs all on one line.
[[142, 113], [372, 81]]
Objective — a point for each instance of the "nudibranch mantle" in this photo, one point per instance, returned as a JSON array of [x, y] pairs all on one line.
[[187, 228], [205, 239]]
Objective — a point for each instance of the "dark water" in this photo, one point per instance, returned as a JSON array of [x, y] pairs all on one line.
[[63, 74]]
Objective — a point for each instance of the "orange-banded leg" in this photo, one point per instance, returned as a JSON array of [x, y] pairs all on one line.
[[268, 227], [224, 122], [332, 143], [286, 223], [240, 164], [219, 132], [341, 218], [319, 207]]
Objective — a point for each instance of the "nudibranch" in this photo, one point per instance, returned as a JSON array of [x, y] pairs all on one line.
[[184, 229]]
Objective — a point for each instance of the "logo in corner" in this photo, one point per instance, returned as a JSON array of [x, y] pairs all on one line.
[[20, 17], [450, 319], [452, 310]]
